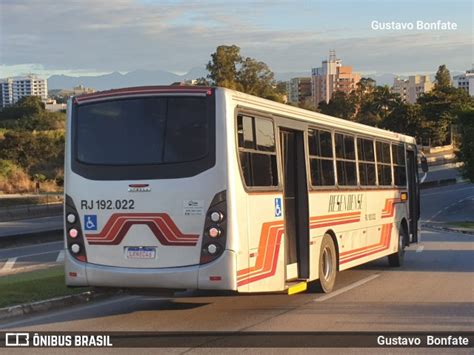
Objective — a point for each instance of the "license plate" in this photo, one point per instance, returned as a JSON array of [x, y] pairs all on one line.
[[140, 252]]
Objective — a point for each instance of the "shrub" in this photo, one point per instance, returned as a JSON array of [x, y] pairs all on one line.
[[13, 179]]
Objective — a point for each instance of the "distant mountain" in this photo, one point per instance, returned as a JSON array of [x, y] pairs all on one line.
[[117, 80], [161, 77], [139, 77], [288, 75], [382, 79]]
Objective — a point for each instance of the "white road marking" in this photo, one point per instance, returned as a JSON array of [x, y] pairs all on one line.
[[9, 264], [420, 248], [443, 192], [447, 207], [347, 288], [60, 258], [44, 253]]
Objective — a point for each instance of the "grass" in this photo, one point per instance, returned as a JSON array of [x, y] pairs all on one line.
[[34, 286], [468, 225]]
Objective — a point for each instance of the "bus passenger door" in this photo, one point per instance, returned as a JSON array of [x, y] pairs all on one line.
[[295, 195], [413, 194]]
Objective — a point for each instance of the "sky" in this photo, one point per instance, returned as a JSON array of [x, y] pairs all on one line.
[[88, 37]]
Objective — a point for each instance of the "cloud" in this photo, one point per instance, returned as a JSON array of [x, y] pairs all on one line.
[[124, 35]]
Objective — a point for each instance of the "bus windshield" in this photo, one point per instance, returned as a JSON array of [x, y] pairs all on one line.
[[142, 131]]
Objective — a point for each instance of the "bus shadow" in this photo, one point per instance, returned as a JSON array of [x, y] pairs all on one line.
[[446, 237], [122, 306], [427, 260]]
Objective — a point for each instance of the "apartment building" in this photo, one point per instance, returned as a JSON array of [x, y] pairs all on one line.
[[299, 90], [410, 89], [332, 76], [13, 89], [465, 81]]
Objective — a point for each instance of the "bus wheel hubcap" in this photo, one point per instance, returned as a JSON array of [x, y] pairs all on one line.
[[327, 263]]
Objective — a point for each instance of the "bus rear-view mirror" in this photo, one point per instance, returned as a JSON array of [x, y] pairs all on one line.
[[424, 164]]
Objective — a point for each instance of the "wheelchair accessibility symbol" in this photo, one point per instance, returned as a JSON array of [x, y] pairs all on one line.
[[278, 207], [90, 222]]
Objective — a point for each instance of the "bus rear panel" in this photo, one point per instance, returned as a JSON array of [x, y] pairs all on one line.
[[145, 174]]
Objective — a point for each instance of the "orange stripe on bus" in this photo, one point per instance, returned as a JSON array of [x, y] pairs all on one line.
[[382, 246], [271, 233]]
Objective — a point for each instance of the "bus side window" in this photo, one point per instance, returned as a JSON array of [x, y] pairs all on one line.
[[399, 170], [345, 160], [257, 153], [365, 152], [321, 158], [245, 132], [384, 167]]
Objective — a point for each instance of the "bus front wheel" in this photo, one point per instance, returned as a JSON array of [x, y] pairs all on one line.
[[327, 265], [397, 259]]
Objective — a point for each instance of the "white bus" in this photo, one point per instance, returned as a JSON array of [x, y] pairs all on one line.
[[209, 188]]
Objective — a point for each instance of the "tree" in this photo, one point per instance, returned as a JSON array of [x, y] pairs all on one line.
[[228, 69], [255, 77], [376, 104], [36, 153], [440, 108], [406, 119], [307, 104], [29, 114], [466, 149], [223, 65], [341, 105], [442, 77]]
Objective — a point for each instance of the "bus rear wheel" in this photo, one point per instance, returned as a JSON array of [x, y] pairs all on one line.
[[327, 265], [397, 259]]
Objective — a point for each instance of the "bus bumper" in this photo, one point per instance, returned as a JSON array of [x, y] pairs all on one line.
[[217, 275]]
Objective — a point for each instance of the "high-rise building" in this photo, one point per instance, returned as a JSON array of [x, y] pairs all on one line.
[[299, 90], [332, 76], [410, 89], [465, 81], [13, 89]]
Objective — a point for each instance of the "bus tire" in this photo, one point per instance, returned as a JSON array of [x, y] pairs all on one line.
[[327, 265], [396, 259]]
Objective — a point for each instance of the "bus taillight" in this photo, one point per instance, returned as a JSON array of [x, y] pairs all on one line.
[[214, 236], [214, 232], [75, 238]]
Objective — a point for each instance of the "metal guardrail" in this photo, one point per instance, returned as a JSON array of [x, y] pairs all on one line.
[[12, 213]]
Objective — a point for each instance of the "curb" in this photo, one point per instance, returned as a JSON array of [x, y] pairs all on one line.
[[441, 183], [46, 305], [447, 229]]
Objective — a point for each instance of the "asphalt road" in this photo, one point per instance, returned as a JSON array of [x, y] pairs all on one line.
[[448, 203], [433, 291], [33, 225], [441, 172], [29, 257]]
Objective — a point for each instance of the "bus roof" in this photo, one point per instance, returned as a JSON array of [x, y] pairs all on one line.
[[140, 91], [246, 99], [285, 110]]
